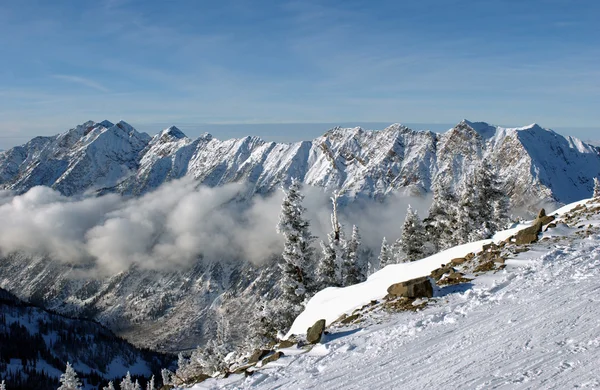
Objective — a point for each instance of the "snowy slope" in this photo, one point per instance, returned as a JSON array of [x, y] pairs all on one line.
[[536, 164], [35, 345], [532, 325]]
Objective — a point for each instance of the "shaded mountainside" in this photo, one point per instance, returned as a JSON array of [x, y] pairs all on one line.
[[535, 163], [35, 345], [161, 310]]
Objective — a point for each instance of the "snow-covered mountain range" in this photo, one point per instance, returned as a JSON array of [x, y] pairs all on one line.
[[535, 163]]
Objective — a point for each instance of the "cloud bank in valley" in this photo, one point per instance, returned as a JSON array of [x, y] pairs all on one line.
[[172, 226]]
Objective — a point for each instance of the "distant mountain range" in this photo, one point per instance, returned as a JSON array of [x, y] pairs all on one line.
[[536, 164]]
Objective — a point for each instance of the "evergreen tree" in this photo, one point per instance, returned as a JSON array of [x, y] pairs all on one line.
[[2, 385], [482, 206], [127, 383], [596, 188], [150, 384], [385, 255], [330, 269], [467, 214], [109, 387], [297, 255], [137, 386], [167, 376], [441, 220], [354, 263], [397, 252], [413, 236], [69, 380]]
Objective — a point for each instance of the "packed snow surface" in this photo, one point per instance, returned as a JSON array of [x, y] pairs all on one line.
[[533, 325]]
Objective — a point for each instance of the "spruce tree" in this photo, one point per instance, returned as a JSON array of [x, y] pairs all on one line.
[[385, 255], [127, 383], [596, 188], [441, 219], [2, 385], [413, 236], [69, 380], [109, 387], [150, 384], [297, 255], [354, 263], [482, 206], [330, 269], [167, 376]]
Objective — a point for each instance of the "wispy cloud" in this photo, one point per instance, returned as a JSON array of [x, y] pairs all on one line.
[[82, 81]]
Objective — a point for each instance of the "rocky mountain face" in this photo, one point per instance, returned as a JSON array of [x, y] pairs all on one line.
[[36, 344], [179, 309], [161, 310], [535, 163]]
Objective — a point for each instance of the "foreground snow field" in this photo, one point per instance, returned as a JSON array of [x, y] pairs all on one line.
[[536, 324]]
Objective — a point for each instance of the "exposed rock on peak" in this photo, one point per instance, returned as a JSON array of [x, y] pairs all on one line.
[[535, 163]]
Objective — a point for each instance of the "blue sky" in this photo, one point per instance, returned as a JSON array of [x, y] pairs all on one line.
[[251, 62]]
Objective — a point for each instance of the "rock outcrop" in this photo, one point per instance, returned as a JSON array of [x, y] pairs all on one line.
[[414, 288]]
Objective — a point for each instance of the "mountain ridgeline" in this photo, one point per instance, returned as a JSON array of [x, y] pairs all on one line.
[[535, 164]]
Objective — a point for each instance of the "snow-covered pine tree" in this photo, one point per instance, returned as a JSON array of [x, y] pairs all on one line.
[[441, 220], [137, 386], [69, 380], [493, 203], [354, 264], [127, 383], [167, 376], [385, 255], [467, 218], [325, 272], [413, 236], [397, 253], [330, 269], [482, 206], [596, 188], [208, 359], [110, 386], [150, 384], [297, 256], [2, 385]]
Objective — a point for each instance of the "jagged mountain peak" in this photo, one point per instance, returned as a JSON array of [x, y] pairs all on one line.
[[363, 163], [482, 128], [172, 132], [106, 123]]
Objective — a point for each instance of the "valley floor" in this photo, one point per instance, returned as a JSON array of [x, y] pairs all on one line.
[[534, 325]]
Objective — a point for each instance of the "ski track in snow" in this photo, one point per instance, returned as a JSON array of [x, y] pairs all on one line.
[[534, 325]]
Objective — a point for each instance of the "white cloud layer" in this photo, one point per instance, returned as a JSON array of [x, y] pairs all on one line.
[[174, 225]]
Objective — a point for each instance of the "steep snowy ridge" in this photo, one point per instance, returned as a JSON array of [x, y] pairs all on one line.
[[531, 324], [88, 157], [535, 163]]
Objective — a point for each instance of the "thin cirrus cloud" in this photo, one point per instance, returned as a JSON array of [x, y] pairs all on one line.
[[82, 81]]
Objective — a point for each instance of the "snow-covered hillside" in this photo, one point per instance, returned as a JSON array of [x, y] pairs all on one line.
[[531, 323], [536, 164], [36, 344]]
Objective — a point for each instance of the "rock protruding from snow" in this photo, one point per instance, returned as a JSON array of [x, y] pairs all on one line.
[[314, 333], [414, 288]]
